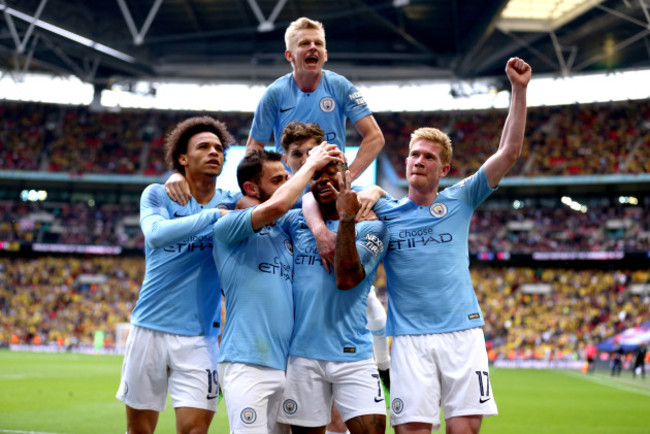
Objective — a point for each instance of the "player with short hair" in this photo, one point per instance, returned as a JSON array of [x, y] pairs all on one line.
[[173, 344], [438, 355], [254, 258], [311, 94], [331, 353], [297, 140]]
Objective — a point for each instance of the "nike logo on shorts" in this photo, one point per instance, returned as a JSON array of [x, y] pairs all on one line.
[[483, 401]]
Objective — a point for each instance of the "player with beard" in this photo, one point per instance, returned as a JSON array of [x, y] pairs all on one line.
[[254, 258]]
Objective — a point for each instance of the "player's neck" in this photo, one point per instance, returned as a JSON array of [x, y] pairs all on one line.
[[202, 188], [422, 198], [307, 82], [329, 212]]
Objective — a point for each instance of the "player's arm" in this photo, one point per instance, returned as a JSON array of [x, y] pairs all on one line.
[[348, 270], [512, 137], [263, 120], [325, 239], [371, 145], [368, 197], [288, 194], [247, 202], [178, 189], [160, 230], [253, 144]]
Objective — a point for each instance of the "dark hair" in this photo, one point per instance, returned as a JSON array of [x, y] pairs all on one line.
[[177, 140], [250, 167], [298, 131]]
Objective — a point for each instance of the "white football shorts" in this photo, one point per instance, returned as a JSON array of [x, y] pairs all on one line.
[[442, 369], [253, 396], [157, 362], [312, 384]]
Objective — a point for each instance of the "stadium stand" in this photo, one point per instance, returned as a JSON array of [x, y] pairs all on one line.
[[63, 300], [542, 228], [580, 139], [534, 309]]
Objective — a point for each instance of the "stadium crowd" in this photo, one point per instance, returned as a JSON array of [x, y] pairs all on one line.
[[535, 228], [71, 223], [582, 306], [64, 300], [579, 139], [558, 228]]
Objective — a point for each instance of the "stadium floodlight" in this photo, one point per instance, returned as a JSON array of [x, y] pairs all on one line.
[[542, 15], [68, 34], [574, 205], [631, 200]]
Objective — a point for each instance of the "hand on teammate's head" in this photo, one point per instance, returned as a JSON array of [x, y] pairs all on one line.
[[324, 154]]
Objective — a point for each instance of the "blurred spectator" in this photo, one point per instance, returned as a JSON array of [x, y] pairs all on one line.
[[578, 139], [71, 223], [639, 361], [66, 299], [495, 228], [617, 359], [582, 305]]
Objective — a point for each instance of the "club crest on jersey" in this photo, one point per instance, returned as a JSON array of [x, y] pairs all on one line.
[[289, 246], [438, 210], [327, 104], [248, 415], [397, 406], [290, 406]]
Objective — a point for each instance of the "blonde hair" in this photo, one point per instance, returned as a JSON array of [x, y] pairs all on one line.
[[300, 24], [436, 136]]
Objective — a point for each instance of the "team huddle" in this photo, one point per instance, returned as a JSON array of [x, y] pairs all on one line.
[[295, 256]]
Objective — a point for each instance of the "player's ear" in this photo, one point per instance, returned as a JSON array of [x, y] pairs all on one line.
[[182, 159], [251, 189], [445, 170], [288, 56], [325, 56]]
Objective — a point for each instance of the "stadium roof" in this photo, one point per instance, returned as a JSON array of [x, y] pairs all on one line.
[[106, 41]]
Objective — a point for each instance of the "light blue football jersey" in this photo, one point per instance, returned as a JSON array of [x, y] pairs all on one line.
[[427, 263], [256, 270], [333, 102], [331, 323], [180, 292]]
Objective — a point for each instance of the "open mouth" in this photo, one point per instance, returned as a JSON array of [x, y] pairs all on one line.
[[325, 192], [311, 60]]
